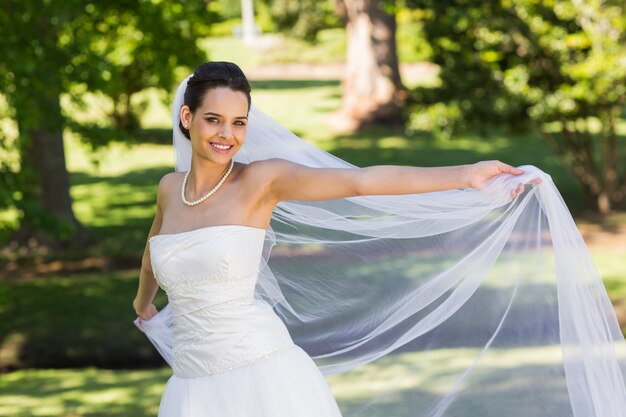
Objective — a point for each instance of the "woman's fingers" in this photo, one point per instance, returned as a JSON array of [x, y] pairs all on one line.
[[518, 190], [510, 169], [150, 312], [520, 187]]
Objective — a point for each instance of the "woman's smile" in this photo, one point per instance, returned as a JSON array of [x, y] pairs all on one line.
[[221, 148]]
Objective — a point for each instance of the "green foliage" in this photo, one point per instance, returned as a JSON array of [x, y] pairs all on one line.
[[558, 66], [138, 48], [228, 9], [411, 43], [517, 60], [465, 38], [302, 19], [117, 48]]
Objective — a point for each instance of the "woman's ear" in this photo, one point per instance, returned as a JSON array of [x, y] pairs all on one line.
[[185, 116]]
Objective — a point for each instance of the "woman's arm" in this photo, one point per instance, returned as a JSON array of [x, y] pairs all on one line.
[[292, 181], [148, 285]]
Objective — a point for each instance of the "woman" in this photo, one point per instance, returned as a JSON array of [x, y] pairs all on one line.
[[206, 250]]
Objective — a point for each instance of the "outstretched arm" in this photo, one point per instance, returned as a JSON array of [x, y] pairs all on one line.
[[292, 181]]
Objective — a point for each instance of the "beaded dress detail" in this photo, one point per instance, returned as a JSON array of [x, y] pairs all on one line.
[[225, 341]]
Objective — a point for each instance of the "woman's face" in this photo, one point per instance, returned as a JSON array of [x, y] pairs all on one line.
[[221, 120]]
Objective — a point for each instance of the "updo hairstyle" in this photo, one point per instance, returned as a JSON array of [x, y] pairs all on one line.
[[210, 75]]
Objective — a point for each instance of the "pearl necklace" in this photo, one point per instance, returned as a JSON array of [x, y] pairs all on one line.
[[210, 193]]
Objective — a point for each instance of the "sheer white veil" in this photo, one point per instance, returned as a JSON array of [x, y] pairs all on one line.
[[453, 303]]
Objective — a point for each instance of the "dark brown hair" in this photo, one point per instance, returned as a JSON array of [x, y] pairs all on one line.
[[211, 75]]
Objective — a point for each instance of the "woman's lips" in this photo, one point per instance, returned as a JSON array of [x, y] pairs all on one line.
[[218, 150]]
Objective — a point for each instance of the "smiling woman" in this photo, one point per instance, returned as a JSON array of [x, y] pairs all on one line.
[[383, 265], [223, 126]]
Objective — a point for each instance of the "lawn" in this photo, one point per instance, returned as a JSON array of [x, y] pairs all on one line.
[[92, 392]]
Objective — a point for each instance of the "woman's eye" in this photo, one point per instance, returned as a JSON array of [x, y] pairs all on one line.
[[211, 119], [240, 123]]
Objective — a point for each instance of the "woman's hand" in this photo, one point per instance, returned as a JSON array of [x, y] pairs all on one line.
[[145, 313], [476, 175]]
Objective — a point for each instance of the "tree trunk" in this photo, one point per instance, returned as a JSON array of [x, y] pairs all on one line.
[[372, 89], [46, 203], [599, 184]]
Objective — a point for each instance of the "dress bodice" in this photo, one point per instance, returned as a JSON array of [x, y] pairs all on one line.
[[209, 275], [208, 266]]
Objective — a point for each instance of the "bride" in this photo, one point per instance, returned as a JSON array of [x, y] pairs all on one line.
[[241, 336]]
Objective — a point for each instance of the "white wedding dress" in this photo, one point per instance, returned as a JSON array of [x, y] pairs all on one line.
[[232, 355]]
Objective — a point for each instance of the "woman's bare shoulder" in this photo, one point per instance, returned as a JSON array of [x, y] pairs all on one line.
[[267, 168], [261, 174], [170, 180], [167, 185]]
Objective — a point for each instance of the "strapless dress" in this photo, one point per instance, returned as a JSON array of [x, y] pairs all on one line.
[[231, 356]]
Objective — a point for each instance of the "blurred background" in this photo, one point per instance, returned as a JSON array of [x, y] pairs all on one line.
[[85, 136]]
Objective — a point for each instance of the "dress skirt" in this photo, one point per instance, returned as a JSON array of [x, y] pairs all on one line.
[[285, 384]]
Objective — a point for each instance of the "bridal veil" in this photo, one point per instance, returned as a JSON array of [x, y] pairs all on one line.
[[452, 303]]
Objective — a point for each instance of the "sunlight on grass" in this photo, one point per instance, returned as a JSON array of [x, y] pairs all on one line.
[[84, 392], [231, 49], [121, 188], [436, 368], [122, 393], [118, 158], [610, 263], [329, 49], [315, 100], [421, 378]]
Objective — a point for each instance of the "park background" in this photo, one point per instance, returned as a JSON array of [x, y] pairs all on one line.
[[85, 131]]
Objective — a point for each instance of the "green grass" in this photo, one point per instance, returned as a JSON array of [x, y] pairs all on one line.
[[329, 48], [86, 392], [72, 320], [231, 49], [91, 392]]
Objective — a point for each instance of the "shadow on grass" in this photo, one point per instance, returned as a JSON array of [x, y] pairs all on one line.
[[122, 209], [85, 320], [515, 391], [382, 146], [87, 392]]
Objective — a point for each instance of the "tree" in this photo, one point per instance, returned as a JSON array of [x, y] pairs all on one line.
[[48, 47], [137, 48], [372, 89], [302, 19], [559, 67], [33, 72]]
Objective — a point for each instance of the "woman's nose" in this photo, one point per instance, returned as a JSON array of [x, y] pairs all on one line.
[[227, 130]]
